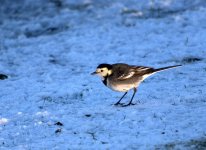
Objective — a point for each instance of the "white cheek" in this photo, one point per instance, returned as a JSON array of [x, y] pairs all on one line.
[[104, 74]]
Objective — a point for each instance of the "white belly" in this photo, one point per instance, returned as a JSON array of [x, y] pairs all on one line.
[[120, 88]]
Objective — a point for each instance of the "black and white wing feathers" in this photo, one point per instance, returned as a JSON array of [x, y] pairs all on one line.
[[134, 71]]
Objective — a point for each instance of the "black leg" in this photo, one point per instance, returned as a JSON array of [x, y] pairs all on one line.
[[117, 103], [130, 102]]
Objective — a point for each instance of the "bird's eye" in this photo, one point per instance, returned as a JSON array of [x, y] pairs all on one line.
[[102, 70]]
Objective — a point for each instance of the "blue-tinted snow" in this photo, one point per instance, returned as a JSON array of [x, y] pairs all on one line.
[[48, 48]]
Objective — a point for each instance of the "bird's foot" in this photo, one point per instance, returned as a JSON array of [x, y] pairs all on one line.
[[116, 104], [128, 104]]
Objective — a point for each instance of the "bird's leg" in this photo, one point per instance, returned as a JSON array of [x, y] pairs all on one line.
[[130, 102], [117, 103]]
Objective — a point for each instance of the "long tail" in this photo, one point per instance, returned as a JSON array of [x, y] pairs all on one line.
[[165, 68]]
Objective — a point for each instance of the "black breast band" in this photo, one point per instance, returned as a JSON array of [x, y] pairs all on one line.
[[105, 80]]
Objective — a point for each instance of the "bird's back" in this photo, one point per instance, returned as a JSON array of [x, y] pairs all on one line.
[[125, 77]]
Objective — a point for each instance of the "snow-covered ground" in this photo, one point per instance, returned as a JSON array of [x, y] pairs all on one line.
[[48, 48]]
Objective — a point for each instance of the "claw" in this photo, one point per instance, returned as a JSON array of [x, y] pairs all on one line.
[[121, 104], [128, 104], [133, 104]]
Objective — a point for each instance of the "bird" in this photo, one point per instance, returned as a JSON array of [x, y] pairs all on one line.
[[122, 77]]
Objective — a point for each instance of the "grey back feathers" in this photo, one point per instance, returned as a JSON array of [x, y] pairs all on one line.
[[124, 71]]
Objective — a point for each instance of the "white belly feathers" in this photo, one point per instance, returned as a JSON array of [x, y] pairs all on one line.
[[121, 87]]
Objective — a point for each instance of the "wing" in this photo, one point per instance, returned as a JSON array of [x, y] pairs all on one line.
[[126, 76], [135, 71]]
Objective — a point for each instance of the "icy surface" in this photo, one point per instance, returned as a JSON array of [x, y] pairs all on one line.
[[48, 48]]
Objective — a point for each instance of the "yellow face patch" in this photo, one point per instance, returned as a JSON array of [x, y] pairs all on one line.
[[103, 72], [109, 72]]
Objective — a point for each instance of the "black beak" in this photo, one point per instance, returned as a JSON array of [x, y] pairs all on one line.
[[93, 73]]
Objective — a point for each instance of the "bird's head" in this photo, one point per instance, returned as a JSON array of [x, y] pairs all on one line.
[[103, 70]]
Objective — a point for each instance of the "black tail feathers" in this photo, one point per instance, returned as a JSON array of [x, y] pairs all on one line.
[[165, 68]]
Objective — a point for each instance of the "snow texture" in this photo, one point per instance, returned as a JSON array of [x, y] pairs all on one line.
[[48, 48]]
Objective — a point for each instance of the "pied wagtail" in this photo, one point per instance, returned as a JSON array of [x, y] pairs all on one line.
[[123, 77]]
